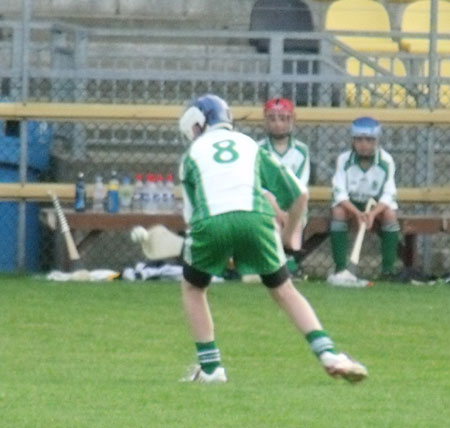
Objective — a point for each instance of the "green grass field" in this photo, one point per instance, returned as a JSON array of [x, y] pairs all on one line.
[[110, 355]]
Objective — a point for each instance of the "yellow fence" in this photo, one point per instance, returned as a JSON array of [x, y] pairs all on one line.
[[108, 112]]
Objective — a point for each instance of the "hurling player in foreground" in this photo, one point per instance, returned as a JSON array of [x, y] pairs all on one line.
[[223, 174]]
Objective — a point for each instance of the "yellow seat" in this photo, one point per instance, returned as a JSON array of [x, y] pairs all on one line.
[[361, 15], [416, 19], [377, 94]]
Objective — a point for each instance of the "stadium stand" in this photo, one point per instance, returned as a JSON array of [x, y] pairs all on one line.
[[363, 16], [289, 15], [377, 94], [416, 19]]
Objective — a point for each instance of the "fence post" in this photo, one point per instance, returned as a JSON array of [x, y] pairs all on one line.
[[433, 74], [21, 221], [276, 65]]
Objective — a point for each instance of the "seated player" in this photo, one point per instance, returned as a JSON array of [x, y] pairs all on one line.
[[366, 171]]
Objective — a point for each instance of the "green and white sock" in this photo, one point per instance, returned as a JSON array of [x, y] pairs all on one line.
[[339, 243], [320, 342], [389, 246], [292, 264], [208, 356]]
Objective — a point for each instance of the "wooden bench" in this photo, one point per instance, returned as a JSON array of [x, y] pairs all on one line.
[[89, 224], [411, 226]]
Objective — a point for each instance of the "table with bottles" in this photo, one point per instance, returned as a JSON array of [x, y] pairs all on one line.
[[119, 205], [87, 225]]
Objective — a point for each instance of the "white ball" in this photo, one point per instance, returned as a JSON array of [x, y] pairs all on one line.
[[139, 234]]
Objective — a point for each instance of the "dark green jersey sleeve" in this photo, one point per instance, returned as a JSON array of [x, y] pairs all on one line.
[[279, 180]]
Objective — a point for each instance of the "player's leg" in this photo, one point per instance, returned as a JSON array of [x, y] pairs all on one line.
[[390, 236], [199, 317], [339, 237], [304, 318], [203, 256], [264, 254], [293, 259], [296, 307], [341, 217], [196, 306]]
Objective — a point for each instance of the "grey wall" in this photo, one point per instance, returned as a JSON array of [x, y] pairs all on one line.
[[191, 14]]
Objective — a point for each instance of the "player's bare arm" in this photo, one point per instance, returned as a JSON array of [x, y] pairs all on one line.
[[291, 235]]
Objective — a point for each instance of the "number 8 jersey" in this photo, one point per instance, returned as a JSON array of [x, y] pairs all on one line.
[[226, 171]]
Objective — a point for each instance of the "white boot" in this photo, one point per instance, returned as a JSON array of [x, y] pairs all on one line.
[[198, 375], [345, 278], [341, 365]]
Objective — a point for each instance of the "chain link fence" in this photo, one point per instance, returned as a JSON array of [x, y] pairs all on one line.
[[78, 65]]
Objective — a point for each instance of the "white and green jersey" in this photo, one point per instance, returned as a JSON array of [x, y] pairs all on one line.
[[225, 171], [296, 157], [351, 182]]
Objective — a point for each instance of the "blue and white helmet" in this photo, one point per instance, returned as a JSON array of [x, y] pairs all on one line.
[[366, 127], [206, 111]]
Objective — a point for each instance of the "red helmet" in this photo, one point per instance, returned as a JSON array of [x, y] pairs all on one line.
[[279, 105]]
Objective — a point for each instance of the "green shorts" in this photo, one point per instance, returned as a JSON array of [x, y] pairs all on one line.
[[360, 205], [250, 238]]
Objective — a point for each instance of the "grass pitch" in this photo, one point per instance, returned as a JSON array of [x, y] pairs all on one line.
[[110, 355]]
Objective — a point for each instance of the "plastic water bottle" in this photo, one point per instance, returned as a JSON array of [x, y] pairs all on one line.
[[149, 191], [164, 191], [125, 195], [170, 187], [80, 193], [138, 194], [158, 194], [98, 195], [112, 198]]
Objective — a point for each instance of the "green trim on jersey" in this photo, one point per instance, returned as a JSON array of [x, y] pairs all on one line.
[[377, 160], [385, 167], [260, 204], [269, 145], [194, 188], [303, 149], [295, 144], [268, 174], [278, 179]]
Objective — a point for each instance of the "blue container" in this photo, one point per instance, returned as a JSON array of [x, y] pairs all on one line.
[[9, 214], [112, 201], [39, 142]]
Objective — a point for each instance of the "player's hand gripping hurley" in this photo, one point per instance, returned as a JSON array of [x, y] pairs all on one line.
[[356, 250]]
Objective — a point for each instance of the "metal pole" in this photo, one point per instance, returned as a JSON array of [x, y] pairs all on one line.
[[433, 83], [432, 56], [276, 65], [23, 160]]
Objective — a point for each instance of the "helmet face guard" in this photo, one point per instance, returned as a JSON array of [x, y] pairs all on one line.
[[191, 117], [365, 133], [207, 111], [279, 117]]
